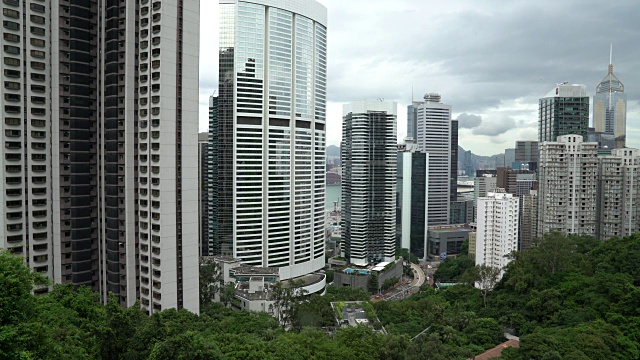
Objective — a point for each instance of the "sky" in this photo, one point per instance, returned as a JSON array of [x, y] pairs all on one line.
[[490, 60]]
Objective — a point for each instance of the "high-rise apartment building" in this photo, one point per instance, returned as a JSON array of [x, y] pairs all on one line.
[[212, 179], [563, 111], [271, 134], [203, 192], [618, 203], [497, 229], [567, 188], [433, 130], [368, 156], [528, 220], [610, 108], [453, 178], [101, 177], [526, 151], [411, 199]]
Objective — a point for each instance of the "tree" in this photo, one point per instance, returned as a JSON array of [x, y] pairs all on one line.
[[284, 298], [406, 255], [228, 293], [485, 277], [211, 280]]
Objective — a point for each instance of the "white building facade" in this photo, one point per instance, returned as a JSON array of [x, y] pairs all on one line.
[[567, 187], [433, 123], [271, 134], [101, 176], [497, 229], [368, 157], [618, 210]]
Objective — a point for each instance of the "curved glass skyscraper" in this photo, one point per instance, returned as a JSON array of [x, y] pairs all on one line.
[[271, 144]]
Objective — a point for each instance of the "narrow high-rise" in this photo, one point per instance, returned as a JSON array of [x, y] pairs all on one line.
[[563, 111], [610, 108], [412, 192], [101, 176], [434, 136], [368, 157], [271, 134], [497, 229], [567, 188]]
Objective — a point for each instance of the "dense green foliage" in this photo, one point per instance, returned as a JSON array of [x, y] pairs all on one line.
[[572, 297], [569, 298]]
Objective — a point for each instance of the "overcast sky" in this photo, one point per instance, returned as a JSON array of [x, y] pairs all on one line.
[[490, 60]]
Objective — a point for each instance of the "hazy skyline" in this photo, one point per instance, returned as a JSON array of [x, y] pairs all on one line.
[[491, 61]]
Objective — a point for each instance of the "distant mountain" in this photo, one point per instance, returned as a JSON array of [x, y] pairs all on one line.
[[470, 162], [333, 150]]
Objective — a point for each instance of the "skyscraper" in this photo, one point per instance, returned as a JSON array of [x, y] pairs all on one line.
[[411, 199], [212, 178], [567, 186], [433, 120], [610, 108], [563, 111], [497, 232], [109, 197], [203, 192], [618, 209], [271, 134], [368, 156], [527, 151], [453, 178], [528, 220]]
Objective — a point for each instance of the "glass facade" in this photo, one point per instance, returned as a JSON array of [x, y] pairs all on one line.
[[271, 139]]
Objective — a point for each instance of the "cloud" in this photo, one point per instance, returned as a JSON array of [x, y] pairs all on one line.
[[469, 121], [495, 127], [492, 58]]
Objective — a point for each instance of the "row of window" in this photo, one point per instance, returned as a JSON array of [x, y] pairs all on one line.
[[12, 109], [154, 64], [35, 42], [154, 111], [17, 122]]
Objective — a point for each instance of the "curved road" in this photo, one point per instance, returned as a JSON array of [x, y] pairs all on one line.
[[418, 275], [407, 290]]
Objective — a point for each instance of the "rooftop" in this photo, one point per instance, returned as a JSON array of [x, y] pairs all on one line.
[[496, 352]]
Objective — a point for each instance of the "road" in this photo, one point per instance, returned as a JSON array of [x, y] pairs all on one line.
[[406, 290]]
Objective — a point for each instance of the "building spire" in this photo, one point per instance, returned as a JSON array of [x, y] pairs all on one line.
[[611, 59]]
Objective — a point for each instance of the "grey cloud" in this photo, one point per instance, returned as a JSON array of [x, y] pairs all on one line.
[[495, 127], [469, 121]]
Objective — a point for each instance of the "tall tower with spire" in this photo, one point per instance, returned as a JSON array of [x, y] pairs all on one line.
[[610, 106]]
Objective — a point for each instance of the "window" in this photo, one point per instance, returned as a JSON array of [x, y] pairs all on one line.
[[11, 62], [37, 30], [11, 37], [38, 88], [12, 73], [38, 77], [38, 100], [12, 121], [38, 65], [37, 19], [12, 49], [12, 109], [11, 85], [37, 7], [11, 25], [37, 42], [11, 13], [12, 97]]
